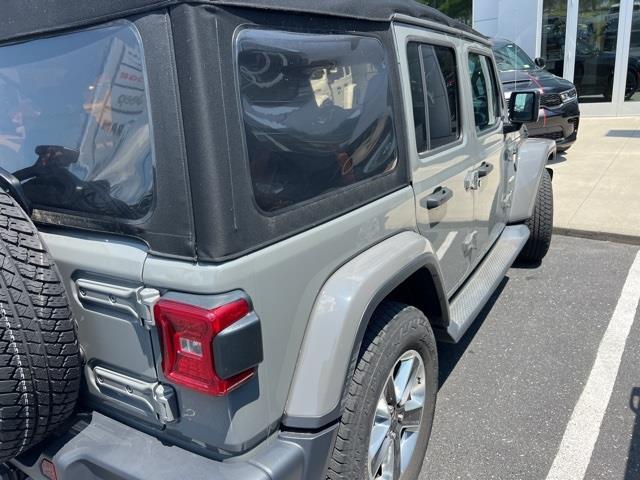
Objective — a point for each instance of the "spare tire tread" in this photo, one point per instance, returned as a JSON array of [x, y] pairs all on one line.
[[39, 351]]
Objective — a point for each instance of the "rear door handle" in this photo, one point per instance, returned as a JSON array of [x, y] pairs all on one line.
[[439, 196], [484, 169]]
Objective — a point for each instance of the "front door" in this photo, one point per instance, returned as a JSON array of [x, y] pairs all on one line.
[[441, 157], [489, 139]]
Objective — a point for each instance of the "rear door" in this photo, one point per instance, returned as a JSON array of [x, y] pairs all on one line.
[[488, 137], [440, 152]]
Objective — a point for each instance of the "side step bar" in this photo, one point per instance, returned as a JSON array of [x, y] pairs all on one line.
[[474, 294]]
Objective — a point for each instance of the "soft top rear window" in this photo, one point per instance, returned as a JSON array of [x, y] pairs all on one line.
[[74, 122]]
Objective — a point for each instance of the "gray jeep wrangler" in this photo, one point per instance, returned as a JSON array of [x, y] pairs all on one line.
[[231, 232]]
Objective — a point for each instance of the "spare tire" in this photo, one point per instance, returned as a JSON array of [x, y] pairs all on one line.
[[39, 352]]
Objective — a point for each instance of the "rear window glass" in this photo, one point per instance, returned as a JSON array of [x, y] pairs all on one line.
[[74, 123], [317, 113]]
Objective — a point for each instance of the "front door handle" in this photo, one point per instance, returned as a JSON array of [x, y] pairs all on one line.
[[439, 196], [484, 169]]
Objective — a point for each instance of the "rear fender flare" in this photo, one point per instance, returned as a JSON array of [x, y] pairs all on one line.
[[339, 319]]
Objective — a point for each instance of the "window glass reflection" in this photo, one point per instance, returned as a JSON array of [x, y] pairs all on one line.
[[596, 42], [632, 86], [554, 21], [317, 113], [74, 125]]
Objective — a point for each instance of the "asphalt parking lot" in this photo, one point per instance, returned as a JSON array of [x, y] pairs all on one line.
[[510, 388]]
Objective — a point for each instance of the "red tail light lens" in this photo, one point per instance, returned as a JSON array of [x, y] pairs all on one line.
[[187, 334]]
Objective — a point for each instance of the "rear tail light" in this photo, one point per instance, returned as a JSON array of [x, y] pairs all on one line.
[[187, 334]]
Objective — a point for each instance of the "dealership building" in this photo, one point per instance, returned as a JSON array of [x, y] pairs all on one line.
[[593, 43]]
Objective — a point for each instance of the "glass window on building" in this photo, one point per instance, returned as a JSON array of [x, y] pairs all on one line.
[[554, 21], [632, 86], [457, 9], [596, 43]]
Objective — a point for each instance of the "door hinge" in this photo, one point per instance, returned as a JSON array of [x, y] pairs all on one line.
[[472, 180], [150, 399], [147, 299], [136, 302], [506, 200]]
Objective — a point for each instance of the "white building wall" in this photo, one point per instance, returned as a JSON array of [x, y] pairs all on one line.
[[516, 20]]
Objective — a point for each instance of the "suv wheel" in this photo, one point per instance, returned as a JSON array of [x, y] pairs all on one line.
[[390, 399], [540, 224]]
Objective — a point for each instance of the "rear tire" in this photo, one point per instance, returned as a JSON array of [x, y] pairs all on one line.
[[540, 224], [398, 340], [39, 352]]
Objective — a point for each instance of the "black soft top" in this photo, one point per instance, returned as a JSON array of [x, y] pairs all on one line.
[[22, 18]]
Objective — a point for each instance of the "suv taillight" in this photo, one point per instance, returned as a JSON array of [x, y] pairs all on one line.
[[187, 334]]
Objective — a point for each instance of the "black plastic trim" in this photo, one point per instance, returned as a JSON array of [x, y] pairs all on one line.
[[238, 347]]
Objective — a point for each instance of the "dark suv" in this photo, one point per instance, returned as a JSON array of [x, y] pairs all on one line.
[[559, 111]]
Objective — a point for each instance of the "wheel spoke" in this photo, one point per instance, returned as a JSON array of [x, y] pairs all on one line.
[[397, 458], [378, 435], [402, 381], [381, 455], [390, 392], [411, 419], [407, 447]]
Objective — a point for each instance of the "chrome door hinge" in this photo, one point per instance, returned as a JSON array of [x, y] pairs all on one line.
[[147, 399], [135, 302], [147, 299], [472, 180]]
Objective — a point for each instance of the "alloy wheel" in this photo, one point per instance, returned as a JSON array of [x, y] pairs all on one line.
[[397, 420]]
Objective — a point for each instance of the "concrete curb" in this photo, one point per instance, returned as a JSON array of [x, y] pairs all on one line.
[[604, 236]]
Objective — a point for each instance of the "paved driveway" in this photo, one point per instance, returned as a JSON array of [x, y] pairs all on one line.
[[510, 389], [596, 181]]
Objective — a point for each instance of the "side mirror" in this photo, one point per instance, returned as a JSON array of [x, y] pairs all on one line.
[[540, 62], [524, 107]]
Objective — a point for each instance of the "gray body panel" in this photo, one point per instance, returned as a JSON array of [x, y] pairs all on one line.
[[333, 327], [283, 282], [446, 226]]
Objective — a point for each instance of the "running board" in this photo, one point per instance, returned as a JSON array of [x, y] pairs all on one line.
[[474, 294]]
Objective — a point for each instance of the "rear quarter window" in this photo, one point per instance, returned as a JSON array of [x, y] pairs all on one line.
[[317, 113], [74, 122]]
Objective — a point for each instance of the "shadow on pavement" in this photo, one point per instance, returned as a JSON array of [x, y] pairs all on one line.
[[633, 460], [621, 133], [449, 353], [559, 158]]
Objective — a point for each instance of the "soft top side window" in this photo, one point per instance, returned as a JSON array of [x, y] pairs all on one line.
[[317, 113]]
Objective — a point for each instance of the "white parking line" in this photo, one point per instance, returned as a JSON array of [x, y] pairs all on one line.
[[581, 433]]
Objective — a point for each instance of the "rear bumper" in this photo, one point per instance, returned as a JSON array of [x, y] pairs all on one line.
[[99, 447], [559, 124]]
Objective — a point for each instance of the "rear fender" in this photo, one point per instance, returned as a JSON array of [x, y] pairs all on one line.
[[533, 155], [339, 320]]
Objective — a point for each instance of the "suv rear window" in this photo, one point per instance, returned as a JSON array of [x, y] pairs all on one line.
[[74, 124], [317, 113]]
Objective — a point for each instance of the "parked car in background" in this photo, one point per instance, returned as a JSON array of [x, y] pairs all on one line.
[[559, 112]]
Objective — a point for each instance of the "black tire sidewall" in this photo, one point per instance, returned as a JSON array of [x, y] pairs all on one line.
[[540, 224], [406, 329]]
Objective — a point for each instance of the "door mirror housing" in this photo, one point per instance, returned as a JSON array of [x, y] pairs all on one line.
[[540, 62], [524, 107]]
